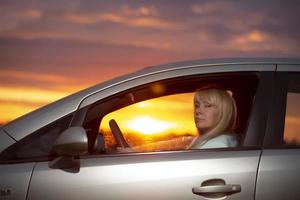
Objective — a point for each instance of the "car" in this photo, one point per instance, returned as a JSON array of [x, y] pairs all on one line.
[[128, 138]]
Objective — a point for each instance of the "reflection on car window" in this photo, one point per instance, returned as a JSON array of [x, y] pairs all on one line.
[[292, 117]]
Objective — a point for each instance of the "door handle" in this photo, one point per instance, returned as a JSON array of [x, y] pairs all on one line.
[[216, 188], [226, 189]]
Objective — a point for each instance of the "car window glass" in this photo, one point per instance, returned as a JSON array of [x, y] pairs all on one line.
[[38, 144], [292, 116], [160, 116]]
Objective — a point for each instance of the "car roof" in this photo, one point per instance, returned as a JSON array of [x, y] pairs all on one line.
[[31, 122]]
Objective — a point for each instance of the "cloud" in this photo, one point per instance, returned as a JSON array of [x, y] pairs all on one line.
[[251, 41], [38, 77], [151, 45], [197, 25], [252, 37], [210, 7], [11, 19], [32, 14], [144, 22], [42, 34], [256, 41], [42, 80], [27, 75], [143, 16], [153, 23], [73, 64], [140, 11], [30, 94]]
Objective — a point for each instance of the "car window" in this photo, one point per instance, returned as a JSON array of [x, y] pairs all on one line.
[[160, 116], [292, 115], [37, 145]]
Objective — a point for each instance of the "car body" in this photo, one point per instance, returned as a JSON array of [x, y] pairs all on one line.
[[60, 151]]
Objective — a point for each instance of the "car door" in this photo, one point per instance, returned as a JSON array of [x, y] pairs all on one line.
[[279, 169], [167, 176], [173, 174]]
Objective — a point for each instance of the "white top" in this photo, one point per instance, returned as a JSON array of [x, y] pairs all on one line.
[[221, 141]]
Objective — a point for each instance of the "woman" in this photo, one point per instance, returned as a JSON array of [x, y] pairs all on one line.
[[215, 117]]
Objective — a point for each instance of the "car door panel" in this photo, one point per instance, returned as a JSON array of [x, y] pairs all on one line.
[[147, 176], [15, 181], [279, 175]]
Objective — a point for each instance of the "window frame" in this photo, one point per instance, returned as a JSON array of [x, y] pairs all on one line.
[[256, 125], [64, 122]]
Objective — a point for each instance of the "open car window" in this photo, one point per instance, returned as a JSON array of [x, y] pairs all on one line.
[[160, 116], [159, 124]]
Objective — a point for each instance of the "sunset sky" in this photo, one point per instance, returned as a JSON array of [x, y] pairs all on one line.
[[175, 115], [50, 49]]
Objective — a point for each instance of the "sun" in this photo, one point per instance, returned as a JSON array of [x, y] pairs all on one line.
[[149, 125]]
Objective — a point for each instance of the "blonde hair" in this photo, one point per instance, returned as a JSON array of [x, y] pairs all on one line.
[[226, 106]]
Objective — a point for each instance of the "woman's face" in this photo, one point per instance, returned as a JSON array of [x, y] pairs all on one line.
[[205, 115]]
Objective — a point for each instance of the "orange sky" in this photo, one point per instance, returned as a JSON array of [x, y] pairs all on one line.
[[165, 114], [50, 49]]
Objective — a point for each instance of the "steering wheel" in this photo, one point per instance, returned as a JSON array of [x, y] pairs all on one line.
[[116, 131]]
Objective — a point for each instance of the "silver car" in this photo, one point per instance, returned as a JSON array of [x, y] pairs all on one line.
[[127, 138]]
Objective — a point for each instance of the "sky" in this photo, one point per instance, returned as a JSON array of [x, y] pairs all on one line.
[[50, 49]]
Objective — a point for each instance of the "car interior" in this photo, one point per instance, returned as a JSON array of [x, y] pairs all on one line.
[[242, 86]]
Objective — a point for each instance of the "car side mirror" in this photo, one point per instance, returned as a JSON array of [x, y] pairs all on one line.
[[72, 142]]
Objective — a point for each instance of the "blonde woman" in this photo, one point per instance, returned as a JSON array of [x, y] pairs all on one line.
[[215, 116]]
